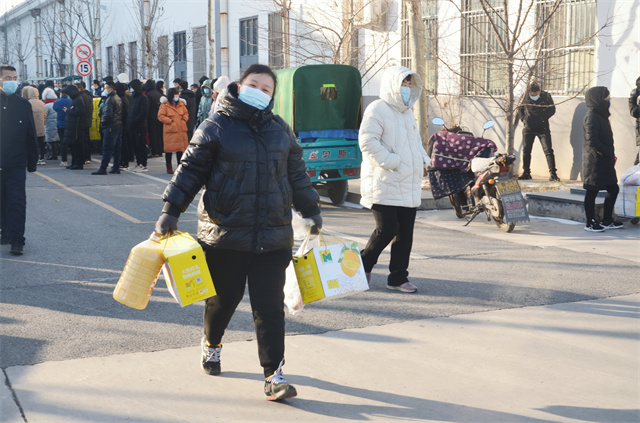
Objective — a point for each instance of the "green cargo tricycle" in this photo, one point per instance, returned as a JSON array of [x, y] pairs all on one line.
[[323, 105]]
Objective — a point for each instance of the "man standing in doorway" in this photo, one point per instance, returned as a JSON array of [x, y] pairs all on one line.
[[18, 151], [535, 111]]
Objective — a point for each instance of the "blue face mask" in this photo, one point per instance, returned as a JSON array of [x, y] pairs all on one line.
[[254, 97], [176, 99], [405, 93], [534, 97], [9, 87], [206, 91]]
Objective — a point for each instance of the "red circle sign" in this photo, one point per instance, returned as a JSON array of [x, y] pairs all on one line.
[[83, 51], [84, 68]]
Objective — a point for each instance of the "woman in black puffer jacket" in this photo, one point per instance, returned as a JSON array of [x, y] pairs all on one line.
[[73, 127], [598, 160], [252, 169]]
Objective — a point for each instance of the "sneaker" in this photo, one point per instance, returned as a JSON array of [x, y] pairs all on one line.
[[611, 224], [87, 161], [593, 226], [63, 164], [210, 358], [140, 168], [115, 170], [525, 176], [554, 178], [16, 248], [124, 167], [276, 387], [42, 162], [405, 287]]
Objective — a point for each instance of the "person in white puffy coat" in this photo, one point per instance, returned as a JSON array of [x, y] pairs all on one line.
[[393, 162]]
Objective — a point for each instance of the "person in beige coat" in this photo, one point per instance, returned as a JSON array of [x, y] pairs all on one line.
[[39, 116], [174, 117]]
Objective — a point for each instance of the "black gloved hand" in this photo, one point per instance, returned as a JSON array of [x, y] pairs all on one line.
[[317, 224], [166, 223]]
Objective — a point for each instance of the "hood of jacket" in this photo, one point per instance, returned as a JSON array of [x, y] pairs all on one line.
[[72, 91], [390, 87], [137, 86], [121, 88], [187, 93], [221, 83], [31, 93], [230, 105], [595, 99], [206, 84], [149, 85]]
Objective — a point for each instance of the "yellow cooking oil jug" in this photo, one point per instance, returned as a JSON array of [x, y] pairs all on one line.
[[140, 273]]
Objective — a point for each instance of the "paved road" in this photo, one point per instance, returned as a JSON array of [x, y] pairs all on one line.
[[57, 304]]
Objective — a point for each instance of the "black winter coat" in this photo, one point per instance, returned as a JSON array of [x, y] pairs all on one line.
[[598, 155], [73, 123], [634, 108], [153, 96], [18, 141], [87, 118], [536, 114], [252, 170], [138, 111], [192, 108], [111, 112]]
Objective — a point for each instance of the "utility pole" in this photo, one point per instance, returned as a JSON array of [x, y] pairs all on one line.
[[417, 37], [146, 38], [35, 13], [97, 49]]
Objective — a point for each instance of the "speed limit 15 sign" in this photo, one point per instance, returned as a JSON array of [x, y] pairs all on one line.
[[84, 68]]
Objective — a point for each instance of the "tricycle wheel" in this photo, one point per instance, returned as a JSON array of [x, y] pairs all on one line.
[[338, 191], [635, 220]]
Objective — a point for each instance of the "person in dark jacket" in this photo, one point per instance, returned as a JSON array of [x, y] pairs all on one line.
[[127, 146], [535, 111], [111, 128], [598, 160], [60, 107], [87, 120], [74, 127], [252, 169], [137, 121], [154, 127], [192, 108], [18, 151], [634, 109]]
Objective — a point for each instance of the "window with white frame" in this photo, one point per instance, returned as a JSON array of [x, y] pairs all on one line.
[[248, 42], [180, 55], [133, 60], [199, 49], [163, 57], [483, 67], [276, 41], [110, 61], [430, 22], [568, 45], [121, 58]]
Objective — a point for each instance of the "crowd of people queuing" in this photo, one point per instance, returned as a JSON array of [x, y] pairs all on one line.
[[138, 120]]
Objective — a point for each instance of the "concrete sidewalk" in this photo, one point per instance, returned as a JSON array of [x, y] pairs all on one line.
[[560, 363]]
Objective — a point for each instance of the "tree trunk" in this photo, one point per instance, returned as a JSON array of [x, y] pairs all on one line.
[[416, 35], [212, 44]]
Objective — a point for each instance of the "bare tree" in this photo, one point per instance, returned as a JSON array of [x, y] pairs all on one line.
[[92, 22], [332, 32], [23, 48], [417, 37], [515, 50]]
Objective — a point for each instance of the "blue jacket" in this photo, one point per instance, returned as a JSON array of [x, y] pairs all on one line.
[[58, 106]]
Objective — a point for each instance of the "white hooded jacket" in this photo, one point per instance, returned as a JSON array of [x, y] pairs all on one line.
[[393, 157]]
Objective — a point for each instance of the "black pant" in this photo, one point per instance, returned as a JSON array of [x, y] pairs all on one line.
[[127, 148], [609, 202], [155, 137], [111, 146], [77, 149], [42, 147], [13, 203], [87, 144], [167, 158], [391, 222], [528, 138], [138, 139], [265, 274], [63, 146]]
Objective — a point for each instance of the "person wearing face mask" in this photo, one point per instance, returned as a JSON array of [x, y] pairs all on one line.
[[535, 110], [137, 121], [252, 170], [599, 160], [174, 116], [393, 161], [205, 101], [18, 151], [111, 128]]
